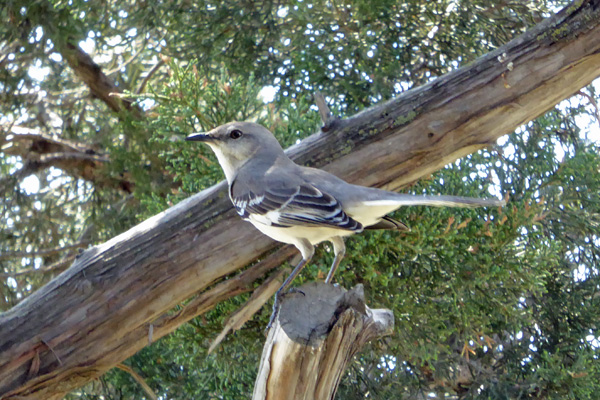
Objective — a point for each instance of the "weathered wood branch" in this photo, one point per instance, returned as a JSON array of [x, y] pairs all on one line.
[[103, 309], [318, 331]]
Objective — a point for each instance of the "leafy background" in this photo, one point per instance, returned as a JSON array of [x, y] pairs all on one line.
[[490, 304]]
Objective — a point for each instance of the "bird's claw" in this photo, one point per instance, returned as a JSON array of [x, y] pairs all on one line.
[[296, 290], [275, 312], [271, 321], [276, 305]]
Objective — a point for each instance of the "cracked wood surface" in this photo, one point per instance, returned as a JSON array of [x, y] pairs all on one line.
[[318, 331]]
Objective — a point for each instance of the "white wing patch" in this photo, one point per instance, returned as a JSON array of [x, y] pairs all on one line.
[[302, 205], [270, 218], [240, 206], [256, 200]]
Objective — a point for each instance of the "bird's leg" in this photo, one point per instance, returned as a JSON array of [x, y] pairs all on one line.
[[307, 251], [282, 290], [339, 248]]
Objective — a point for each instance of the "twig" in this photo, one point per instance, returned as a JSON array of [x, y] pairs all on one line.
[[150, 73], [593, 103], [128, 61], [326, 116], [137, 377], [52, 350], [71, 155], [260, 296]]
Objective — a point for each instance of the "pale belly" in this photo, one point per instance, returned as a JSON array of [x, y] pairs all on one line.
[[290, 235]]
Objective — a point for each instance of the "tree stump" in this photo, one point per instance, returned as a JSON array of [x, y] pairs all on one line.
[[319, 329]]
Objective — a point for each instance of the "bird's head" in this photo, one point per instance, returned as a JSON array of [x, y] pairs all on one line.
[[236, 143]]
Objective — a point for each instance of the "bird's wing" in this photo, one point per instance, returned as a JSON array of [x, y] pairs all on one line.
[[292, 205], [387, 222]]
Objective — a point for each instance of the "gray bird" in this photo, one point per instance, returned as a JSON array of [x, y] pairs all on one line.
[[300, 205]]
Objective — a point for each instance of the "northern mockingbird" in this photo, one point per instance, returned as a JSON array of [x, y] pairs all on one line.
[[300, 205]]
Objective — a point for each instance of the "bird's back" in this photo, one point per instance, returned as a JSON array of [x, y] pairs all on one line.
[[368, 205]]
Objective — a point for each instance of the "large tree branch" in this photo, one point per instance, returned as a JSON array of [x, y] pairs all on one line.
[[101, 310]]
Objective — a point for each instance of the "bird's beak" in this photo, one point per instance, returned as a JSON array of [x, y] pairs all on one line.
[[200, 137]]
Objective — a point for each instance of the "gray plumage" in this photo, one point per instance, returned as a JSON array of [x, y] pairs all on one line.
[[300, 205]]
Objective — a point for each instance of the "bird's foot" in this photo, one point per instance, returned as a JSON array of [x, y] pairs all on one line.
[[329, 281], [275, 312], [276, 305], [296, 290]]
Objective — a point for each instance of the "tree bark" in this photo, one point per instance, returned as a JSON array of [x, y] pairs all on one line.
[[318, 331], [117, 295]]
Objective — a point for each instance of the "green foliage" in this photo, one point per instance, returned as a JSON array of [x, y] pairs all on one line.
[[491, 304], [197, 98]]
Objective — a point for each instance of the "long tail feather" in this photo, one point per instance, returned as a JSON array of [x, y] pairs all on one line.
[[437, 201]]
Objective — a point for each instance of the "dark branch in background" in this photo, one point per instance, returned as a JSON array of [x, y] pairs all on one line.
[[55, 267], [142, 87], [62, 157], [40, 151], [42, 252], [100, 85], [38, 142]]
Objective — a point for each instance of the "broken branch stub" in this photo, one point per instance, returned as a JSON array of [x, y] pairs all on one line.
[[319, 329]]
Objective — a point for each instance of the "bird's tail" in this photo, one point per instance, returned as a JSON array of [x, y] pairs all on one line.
[[399, 200], [375, 203]]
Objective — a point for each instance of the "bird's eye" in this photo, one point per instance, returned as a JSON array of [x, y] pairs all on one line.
[[235, 134]]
